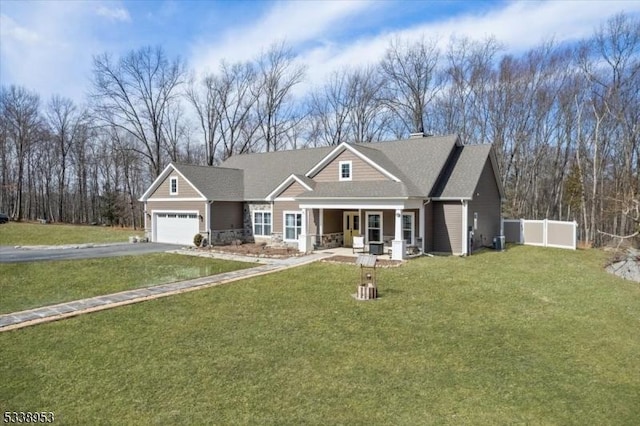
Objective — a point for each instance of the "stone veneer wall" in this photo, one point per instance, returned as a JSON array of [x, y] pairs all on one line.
[[332, 240], [227, 236], [249, 208]]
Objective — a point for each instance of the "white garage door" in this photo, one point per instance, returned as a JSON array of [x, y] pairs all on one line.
[[176, 228]]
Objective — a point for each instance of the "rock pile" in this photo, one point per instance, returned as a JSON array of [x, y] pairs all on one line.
[[626, 265]]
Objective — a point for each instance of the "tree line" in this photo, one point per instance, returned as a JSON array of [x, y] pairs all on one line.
[[564, 119]]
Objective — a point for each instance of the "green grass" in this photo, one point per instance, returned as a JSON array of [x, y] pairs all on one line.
[[34, 284], [26, 233], [528, 336]]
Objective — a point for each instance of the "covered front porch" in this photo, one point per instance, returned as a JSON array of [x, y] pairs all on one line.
[[396, 225]]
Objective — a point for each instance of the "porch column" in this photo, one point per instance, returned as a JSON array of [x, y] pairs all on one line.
[[421, 221], [305, 244], [321, 226], [398, 244]]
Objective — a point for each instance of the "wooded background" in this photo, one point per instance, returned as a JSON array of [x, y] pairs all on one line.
[[564, 119]]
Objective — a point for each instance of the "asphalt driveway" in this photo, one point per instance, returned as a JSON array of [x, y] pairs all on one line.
[[33, 254]]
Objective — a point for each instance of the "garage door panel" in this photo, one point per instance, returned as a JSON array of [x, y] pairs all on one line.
[[176, 227]]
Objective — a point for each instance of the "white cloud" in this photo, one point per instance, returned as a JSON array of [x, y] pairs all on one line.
[[519, 26], [114, 13], [293, 22], [47, 48], [11, 31]]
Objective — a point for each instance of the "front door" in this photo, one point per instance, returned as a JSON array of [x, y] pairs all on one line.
[[351, 221]]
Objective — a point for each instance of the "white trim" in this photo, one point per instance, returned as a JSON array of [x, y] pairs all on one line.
[[253, 223], [284, 225], [413, 227], [207, 214], [173, 179], [465, 225], [154, 224], [284, 199], [355, 205], [421, 220], [359, 203], [161, 177], [366, 235], [342, 178], [150, 200], [334, 153], [285, 184], [452, 198], [354, 198]]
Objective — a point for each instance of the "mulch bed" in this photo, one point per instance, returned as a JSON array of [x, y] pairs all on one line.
[[352, 260]]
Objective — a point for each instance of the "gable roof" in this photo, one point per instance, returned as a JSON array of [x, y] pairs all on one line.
[[369, 158], [433, 166], [263, 172], [460, 178], [304, 181], [212, 183], [216, 183]]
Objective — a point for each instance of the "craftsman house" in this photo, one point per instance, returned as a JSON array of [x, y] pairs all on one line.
[[422, 194]]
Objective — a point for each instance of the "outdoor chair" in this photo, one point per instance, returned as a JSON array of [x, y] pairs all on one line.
[[358, 244]]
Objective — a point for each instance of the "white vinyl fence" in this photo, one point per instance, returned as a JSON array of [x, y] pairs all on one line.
[[545, 233]]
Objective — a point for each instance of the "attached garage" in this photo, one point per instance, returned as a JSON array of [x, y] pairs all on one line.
[[175, 227]]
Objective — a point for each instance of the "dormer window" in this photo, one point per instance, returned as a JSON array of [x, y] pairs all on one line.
[[344, 170], [173, 186]]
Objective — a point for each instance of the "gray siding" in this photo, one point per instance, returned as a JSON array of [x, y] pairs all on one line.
[[447, 227], [292, 190], [428, 227], [360, 170], [185, 190], [227, 215], [512, 232], [278, 208], [333, 221], [486, 203]]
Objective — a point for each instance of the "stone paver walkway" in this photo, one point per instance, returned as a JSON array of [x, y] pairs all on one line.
[[59, 311]]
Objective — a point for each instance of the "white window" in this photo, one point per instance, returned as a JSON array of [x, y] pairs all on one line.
[[262, 223], [292, 226], [374, 227], [408, 230], [344, 170], [173, 186]]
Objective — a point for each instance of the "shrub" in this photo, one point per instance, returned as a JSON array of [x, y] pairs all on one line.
[[197, 240]]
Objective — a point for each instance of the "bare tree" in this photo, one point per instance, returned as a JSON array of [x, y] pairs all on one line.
[[66, 125], [329, 108], [277, 74], [135, 93], [411, 80], [368, 115], [21, 124]]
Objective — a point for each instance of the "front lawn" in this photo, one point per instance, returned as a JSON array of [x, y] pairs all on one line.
[[28, 233], [30, 285], [528, 336]]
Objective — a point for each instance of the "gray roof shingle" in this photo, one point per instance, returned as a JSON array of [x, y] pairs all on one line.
[[215, 183], [263, 172], [461, 176], [435, 166]]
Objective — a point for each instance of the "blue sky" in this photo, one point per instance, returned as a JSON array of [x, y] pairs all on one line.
[[47, 46]]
